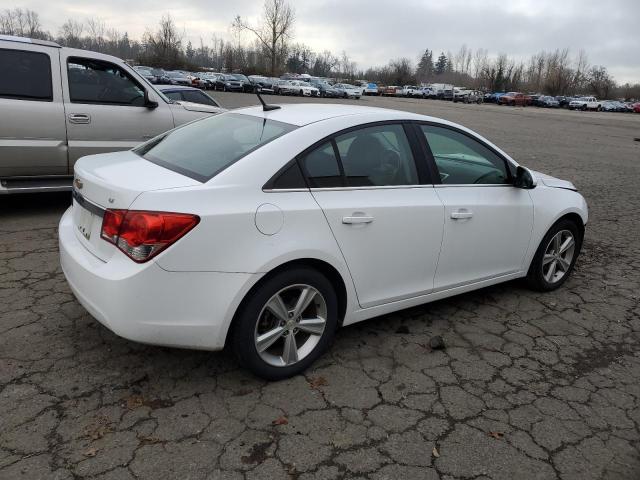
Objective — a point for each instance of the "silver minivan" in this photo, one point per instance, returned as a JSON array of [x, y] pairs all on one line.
[[58, 104]]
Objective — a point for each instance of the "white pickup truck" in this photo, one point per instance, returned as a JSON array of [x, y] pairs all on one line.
[[585, 103], [58, 104]]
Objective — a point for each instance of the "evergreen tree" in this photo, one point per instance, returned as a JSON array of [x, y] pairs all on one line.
[[441, 64], [425, 66], [190, 52]]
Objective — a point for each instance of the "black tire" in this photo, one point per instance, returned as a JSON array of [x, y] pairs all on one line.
[[242, 339], [535, 278]]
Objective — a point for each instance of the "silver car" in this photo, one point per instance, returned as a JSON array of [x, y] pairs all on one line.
[[65, 103]]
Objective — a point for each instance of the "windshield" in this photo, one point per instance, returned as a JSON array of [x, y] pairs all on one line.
[[204, 148], [175, 74]]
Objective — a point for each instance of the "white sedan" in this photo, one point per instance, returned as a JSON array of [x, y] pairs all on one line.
[[267, 229], [298, 87]]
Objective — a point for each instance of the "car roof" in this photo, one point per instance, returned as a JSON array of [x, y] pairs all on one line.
[[301, 114]]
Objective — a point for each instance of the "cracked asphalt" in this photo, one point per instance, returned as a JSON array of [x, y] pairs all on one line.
[[530, 385]]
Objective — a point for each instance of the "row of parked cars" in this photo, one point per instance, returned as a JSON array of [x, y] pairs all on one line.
[[238, 82], [583, 103]]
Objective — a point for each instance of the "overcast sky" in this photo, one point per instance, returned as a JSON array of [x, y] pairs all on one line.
[[375, 31]]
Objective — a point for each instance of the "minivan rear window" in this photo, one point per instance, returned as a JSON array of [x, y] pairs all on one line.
[[204, 148]]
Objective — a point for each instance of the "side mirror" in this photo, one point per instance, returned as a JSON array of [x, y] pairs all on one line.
[[148, 102], [524, 178]]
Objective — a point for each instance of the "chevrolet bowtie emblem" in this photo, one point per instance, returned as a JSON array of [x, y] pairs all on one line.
[[78, 183]]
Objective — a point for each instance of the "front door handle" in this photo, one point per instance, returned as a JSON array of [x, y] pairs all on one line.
[[357, 219], [82, 118], [460, 214]]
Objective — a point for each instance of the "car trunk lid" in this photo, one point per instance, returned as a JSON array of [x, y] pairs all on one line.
[[114, 181]]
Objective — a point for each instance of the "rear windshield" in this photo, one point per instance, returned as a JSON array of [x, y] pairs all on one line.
[[204, 148]]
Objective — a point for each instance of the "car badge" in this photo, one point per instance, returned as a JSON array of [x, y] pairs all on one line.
[[78, 183]]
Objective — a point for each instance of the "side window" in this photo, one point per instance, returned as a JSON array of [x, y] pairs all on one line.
[[321, 167], [196, 96], [98, 82], [174, 96], [291, 177], [461, 160], [25, 75], [377, 156]]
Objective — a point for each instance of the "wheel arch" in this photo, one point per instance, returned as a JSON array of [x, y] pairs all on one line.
[[322, 266]]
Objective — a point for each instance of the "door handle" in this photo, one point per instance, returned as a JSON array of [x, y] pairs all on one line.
[[357, 219], [461, 214], [79, 118]]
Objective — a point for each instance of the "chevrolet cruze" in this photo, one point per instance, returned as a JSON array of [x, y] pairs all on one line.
[[267, 228]]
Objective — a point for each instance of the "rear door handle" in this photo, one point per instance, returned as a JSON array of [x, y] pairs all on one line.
[[460, 214], [357, 219], [79, 118]]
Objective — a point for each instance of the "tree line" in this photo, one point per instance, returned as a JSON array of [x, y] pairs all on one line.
[[272, 51]]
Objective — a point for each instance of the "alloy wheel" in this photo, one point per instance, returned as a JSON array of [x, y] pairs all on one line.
[[558, 256], [290, 325]]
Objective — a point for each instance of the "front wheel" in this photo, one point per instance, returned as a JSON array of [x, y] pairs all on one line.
[[287, 323], [556, 256]]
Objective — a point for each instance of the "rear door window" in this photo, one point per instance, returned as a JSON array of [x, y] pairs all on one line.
[[202, 149], [25, 75]]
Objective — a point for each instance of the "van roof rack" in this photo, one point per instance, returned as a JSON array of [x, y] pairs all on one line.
[[33, 41]]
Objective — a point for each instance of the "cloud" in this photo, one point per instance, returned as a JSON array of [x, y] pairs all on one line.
[[373, 31]]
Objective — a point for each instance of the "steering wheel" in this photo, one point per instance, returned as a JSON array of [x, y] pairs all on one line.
[[477, 180]]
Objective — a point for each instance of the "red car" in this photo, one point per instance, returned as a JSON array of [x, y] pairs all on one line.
[[636, 107], [514, 98]]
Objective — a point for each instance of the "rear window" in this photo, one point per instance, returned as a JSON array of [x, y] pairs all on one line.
[[25, 75], [203, 149]]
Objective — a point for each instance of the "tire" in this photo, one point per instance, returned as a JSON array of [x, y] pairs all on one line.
[[538, 274], [301, 93], [254, 319], [584, 108]]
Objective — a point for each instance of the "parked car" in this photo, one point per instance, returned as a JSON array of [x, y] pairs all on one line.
[[228, 83], [585, 103], [469, 96], [347, 91], [277, 84], [66, 103], [209, 79], [547, 101], [298, 87], [513, 99], [636, 107], [261, 84], [370, 89], [409, 91], [325, 88], [612, 106], [147, 73], [247, 85], [390, 91], [427, 92], [178, 78], [493, 97], [294, 265], [181, 93]]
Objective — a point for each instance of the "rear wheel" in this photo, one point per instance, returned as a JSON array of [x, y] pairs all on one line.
[[556, 256], [286, 324]]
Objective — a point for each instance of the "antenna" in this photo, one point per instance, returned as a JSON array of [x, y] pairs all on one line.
[[265, 107]]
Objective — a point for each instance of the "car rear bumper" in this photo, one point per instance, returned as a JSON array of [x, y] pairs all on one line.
[[147, 304]]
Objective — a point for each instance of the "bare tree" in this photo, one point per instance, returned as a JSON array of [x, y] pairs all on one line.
[[164, 46], [274, 29]]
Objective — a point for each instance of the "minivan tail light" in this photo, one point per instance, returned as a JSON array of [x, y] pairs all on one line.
[[141, 235]]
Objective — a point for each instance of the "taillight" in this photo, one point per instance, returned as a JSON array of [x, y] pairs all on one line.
[[142, 234]]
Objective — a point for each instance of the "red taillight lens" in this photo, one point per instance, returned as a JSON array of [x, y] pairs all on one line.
[[141, 234]]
